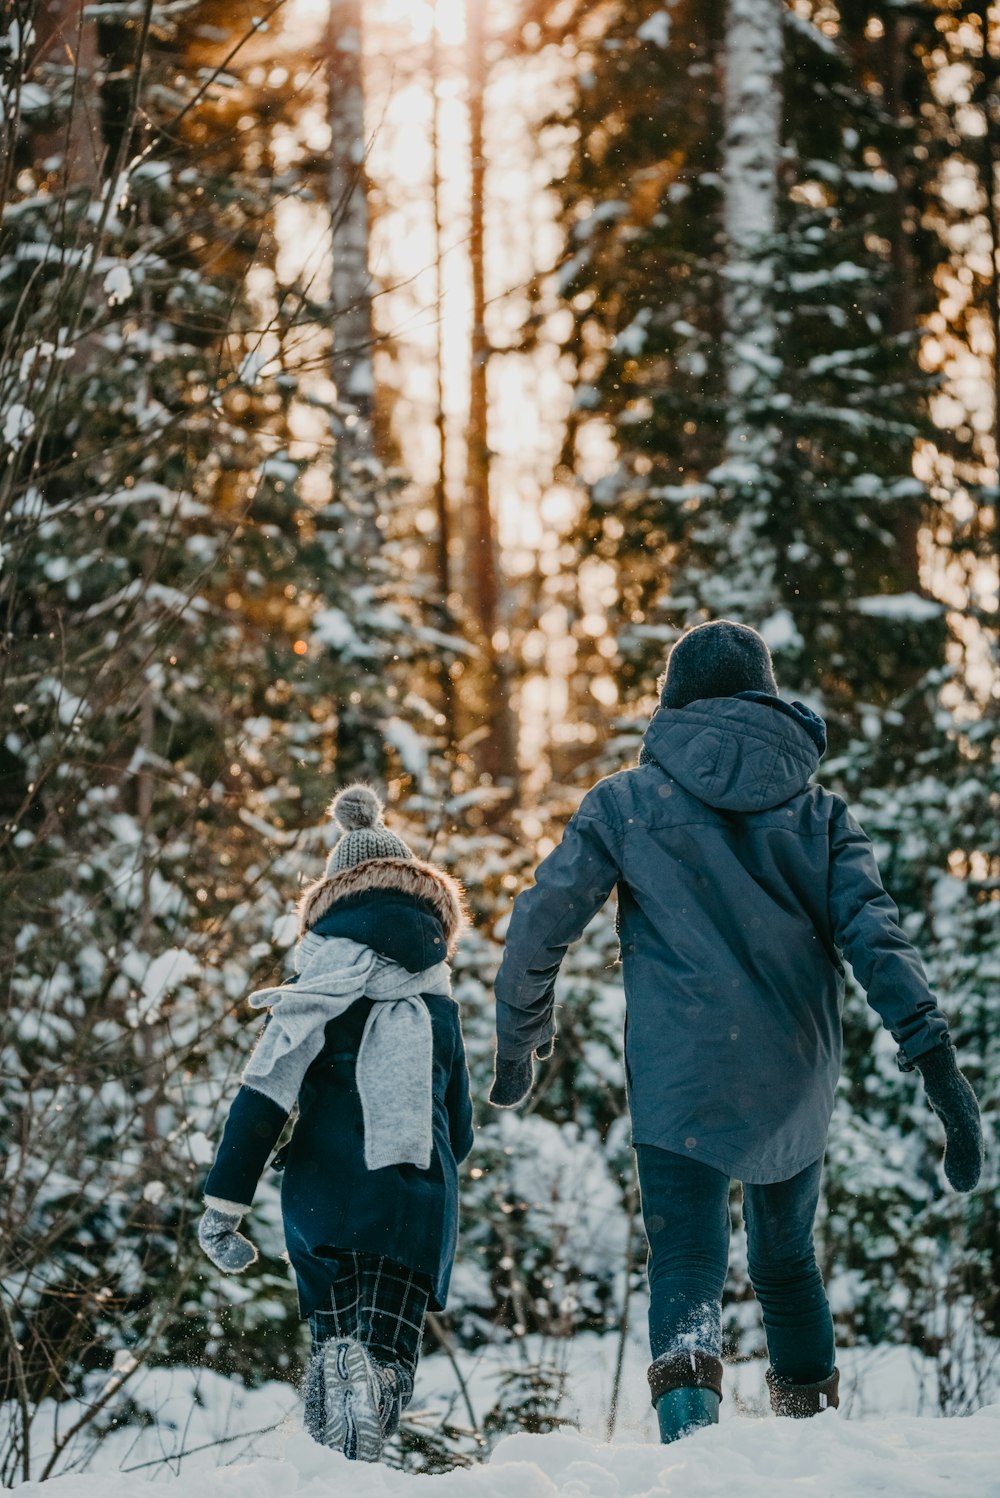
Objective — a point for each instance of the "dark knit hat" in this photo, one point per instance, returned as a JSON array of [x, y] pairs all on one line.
[[358, 811], [717, 659]]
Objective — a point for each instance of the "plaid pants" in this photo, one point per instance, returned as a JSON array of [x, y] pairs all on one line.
[[380, 1304]]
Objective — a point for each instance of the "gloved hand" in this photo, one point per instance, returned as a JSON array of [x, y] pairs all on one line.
[[218, 1236], [955, 1104], [512, 1080]]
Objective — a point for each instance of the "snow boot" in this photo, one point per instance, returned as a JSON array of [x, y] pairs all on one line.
[[799, 1401], [687, 1390], [352, 1388], [395, 1392], [314, 1410]]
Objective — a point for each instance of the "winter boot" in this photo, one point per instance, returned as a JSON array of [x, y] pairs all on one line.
[[802, 1400], [687, 1391], [352, 1388], [314, 1411], [394, 1394]]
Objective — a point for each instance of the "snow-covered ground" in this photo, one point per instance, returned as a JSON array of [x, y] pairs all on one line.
[[830, 1457], [207, 1435]]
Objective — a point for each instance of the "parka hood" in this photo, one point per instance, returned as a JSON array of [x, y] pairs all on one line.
[[744, 753], [424, 881]]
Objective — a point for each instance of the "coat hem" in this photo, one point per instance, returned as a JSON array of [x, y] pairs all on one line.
[[440, 1280], [736, 1169]]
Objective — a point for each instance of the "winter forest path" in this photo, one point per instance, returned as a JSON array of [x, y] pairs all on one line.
[[904, 1457]]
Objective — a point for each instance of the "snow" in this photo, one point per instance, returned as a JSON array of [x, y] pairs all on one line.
[[655, 29], [185, 1422], [408, 744], [166, 972], [252, 366], [632, 339], [118, 284], [781, 632], [900, 606], [828, 1457], [332, 627], [18, 425]]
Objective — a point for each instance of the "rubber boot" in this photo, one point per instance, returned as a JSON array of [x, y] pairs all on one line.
[[686, 1388], [800, 1401], [683, 1410]]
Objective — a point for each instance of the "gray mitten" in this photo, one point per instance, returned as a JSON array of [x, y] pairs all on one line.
[[218, 1236]]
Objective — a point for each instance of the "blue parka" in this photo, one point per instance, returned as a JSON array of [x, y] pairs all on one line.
[[330, 1200], [739, 884]]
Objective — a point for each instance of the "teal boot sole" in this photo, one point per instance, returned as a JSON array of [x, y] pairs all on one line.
[[682, 1410]]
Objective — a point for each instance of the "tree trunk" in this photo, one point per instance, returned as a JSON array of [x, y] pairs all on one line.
[[496, 749], [350, 288], [751, 154], [751, 151], [897, 52], [441, 506], [61, 30], [987, 91]]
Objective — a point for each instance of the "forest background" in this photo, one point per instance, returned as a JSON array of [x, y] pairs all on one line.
[[383, 388]]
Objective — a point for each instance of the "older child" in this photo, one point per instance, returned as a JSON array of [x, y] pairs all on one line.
[[367, 1042], [738, 883]]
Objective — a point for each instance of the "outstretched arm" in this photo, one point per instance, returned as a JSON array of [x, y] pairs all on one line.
[[866, 928], [570, 887], [251, 1133], [252, 1130]]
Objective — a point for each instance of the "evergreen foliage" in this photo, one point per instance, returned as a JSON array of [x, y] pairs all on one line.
[[213, 611], [838, 515], [191, 653]]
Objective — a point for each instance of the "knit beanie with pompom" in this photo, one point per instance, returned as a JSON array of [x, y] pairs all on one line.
[[358, 810]]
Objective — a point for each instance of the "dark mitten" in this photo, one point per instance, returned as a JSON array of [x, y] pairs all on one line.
[[512, 1082], [955, 1104], [227, 1248]]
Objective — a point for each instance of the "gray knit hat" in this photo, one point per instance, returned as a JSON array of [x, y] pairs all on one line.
[[717, 659], [358, 810]]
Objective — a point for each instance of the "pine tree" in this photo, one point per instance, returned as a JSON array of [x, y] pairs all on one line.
[[190, 657], [815, 541]]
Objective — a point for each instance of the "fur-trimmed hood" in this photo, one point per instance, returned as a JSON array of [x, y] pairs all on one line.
[[411, 876]]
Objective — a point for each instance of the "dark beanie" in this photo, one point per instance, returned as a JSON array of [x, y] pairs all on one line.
[[717, 660]]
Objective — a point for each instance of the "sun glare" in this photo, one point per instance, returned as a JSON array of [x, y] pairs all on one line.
[[419, 16], [415, 18]]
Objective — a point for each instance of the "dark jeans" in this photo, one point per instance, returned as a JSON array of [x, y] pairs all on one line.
[[685, 1207]]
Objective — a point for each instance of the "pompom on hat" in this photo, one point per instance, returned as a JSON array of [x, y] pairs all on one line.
[[717, 659], [358, 811]]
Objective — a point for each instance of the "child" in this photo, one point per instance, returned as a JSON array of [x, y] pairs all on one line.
[[738, 881], [367, 1041]]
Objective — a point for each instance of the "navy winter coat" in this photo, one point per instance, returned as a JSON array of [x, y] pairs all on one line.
[[738, 885], [329, 1199]]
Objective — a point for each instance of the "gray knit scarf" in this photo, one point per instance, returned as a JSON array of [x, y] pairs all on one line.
[[395, 1059]]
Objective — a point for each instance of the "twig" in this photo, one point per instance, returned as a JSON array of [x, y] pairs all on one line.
[[616, 1385], [178, 1456], [22, 1388], [444, 1342]]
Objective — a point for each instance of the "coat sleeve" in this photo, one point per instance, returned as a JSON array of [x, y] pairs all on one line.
[[458, 1100], [252, 1130], [570, 887], [865, 925]]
